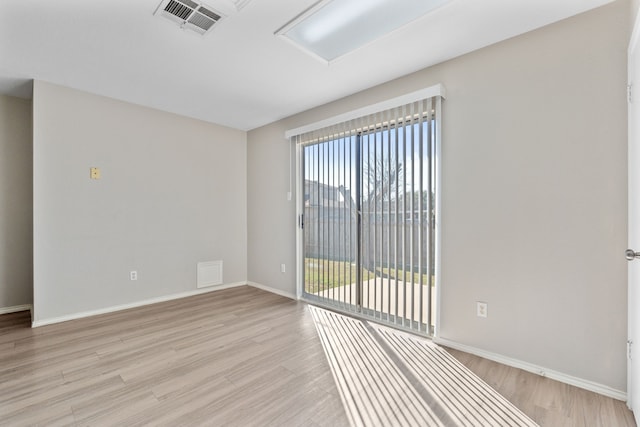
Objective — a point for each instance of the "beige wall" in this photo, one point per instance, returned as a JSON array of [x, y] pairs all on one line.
[[16, 205], [533, 195], [172, 194]]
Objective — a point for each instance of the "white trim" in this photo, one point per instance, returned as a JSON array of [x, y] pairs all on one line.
[[301, 17], [436, 90], [282, 31], [15, 308], [437, 270], [633, 41], [311, 53], [299, 230], [273, 290], [530, 367], [81, 315], [635, 35]]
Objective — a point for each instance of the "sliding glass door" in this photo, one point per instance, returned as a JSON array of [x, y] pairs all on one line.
[[368, 216]]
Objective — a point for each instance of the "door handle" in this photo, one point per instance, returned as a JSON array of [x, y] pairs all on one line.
[[630, 254]]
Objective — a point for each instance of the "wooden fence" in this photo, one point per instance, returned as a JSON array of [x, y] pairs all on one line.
[[331, 234]]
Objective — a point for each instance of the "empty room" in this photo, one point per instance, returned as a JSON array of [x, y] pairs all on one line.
[[319, 213]]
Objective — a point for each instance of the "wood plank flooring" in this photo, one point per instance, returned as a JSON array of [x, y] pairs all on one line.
[[548, 402], [239, 356]]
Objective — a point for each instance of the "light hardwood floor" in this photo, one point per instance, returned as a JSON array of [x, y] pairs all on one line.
[[239, 356], [548, 402]]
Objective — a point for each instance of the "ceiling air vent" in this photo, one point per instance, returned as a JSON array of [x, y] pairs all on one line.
[[189, 14]]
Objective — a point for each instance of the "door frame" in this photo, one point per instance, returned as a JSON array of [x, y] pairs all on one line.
[[432, 91], [633, 326]]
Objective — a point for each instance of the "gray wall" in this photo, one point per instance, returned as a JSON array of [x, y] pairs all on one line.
[[16, 205], [172, 193], [533, 194], [271, 218]]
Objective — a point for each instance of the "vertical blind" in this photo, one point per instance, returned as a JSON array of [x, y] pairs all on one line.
[[368, 214]]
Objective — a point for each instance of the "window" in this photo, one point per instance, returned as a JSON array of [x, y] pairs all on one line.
[[368, 235]]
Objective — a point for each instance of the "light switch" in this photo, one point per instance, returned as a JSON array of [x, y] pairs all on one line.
[[95, 173]]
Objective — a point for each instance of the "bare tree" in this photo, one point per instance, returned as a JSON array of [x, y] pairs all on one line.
[[381, 178]]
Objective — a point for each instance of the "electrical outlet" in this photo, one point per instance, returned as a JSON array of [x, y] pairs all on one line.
[[283, 268], [482, 309], [133, 275]]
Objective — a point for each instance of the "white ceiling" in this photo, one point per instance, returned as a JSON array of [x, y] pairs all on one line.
[[239, 75]]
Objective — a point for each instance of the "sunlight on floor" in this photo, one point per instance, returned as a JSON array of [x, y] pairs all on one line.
[[386, 377]]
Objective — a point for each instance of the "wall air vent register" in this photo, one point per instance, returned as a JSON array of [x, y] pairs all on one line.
[[190, 14]]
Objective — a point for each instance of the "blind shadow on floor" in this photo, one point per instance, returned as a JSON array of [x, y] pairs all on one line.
[[390, 378]]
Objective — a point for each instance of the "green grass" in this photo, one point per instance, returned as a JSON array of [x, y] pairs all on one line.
[[323, 274]]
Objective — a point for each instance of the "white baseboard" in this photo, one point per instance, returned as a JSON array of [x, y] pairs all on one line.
[[529, 367], [15, 308], [43, 322], [273, 290]]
